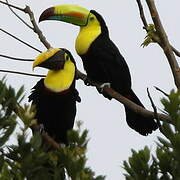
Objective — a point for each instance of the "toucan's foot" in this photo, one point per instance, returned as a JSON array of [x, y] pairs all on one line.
[[101, 90], [103, 85], [41, 128], [86, 81]]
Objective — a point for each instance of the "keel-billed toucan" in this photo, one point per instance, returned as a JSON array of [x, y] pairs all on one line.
[[101, 58], [55, 96]]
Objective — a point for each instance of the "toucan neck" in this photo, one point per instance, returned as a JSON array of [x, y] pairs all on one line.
[[61, 80], [86, 36]]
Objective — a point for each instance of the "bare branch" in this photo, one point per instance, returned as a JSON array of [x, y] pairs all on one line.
[[155, 38], [16, 59], [22, 20], [141, 11], [161, 39], [32, 19], [22, 73], [164, 42], [175, 51], [13, 6], [155, 110], [161, 91], [134, 107], [36, 28], [20, 40]]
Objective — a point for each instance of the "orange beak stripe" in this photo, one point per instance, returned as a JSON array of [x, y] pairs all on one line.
[[78, 15]]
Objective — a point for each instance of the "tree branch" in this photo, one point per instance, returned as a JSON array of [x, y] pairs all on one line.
[[164, 42], [15, 58], [141, 12], [134, 107], [35, 27], [158, 89], [143, 18], [20, 40], [22, 73], [155, 111], [161, 39], [13, 6], [22, 20], [19, 110], [46, 138], [175, 51]]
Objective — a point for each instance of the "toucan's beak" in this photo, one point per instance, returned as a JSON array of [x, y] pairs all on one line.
[[53, 59], [67, 13]]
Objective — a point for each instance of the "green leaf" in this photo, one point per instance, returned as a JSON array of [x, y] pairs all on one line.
[[36, 141]]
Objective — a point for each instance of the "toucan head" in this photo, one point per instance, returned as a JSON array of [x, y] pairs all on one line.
[[52, 59], [73, 14], [61, 66]]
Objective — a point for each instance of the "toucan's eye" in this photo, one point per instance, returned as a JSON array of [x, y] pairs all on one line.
[[91, 18], [67, 57]]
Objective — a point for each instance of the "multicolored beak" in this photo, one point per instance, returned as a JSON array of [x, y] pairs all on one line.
[[67, 13], [52, 59]]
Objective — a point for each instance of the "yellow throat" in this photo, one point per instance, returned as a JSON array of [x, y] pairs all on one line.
[[87, 35], [58, 81]]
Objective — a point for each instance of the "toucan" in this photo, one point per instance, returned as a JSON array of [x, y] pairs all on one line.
[[101, 58], [55, 95]]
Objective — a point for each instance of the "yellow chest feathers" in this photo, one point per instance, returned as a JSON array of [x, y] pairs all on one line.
[[58, 81], [85, 37]]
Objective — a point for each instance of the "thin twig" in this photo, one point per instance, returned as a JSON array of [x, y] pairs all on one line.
[[36, 29], [141, 11], [22, 73], [175, 51], [20, 40], [15, 58], [155, 111], [161, 91], [22, 20], [13, 6]]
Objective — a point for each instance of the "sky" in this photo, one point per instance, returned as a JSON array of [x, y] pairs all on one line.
[[111, 140]]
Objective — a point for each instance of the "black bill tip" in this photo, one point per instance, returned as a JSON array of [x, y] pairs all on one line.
[[46, 14]]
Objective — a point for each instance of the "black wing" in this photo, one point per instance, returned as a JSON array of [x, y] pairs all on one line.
[[104, 63]]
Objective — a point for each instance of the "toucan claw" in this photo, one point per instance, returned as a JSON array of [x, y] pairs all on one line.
[[103, 85], [86, 81], [41, 128]]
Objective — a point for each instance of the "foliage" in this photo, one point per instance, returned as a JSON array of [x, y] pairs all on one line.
[[33, 160], [8, 100], [151, 33], [166, 164]]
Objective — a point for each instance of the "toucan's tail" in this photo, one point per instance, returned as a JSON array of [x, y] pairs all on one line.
[[136, 121]]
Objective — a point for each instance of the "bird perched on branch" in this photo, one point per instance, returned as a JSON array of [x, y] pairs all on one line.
[[55, 96], [101, 58]]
